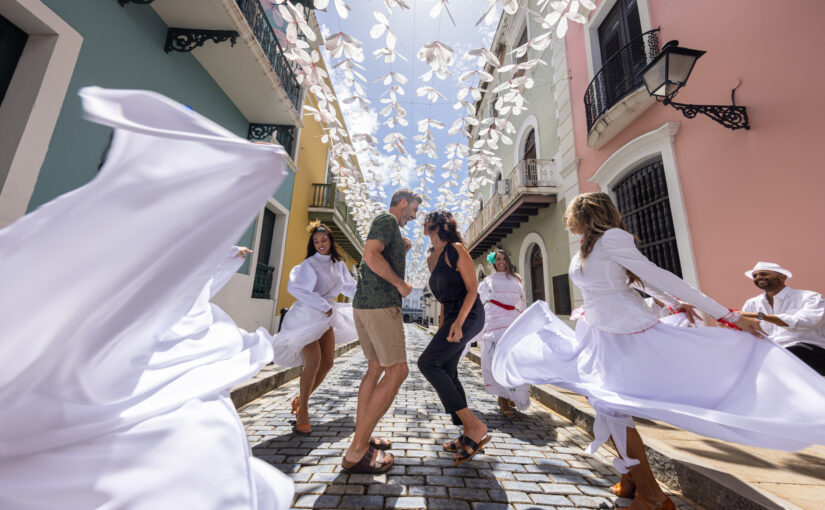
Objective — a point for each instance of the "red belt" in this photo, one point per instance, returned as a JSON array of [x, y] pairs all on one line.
[[502, 305]]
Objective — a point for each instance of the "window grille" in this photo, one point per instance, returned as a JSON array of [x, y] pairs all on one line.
[[643, 201]]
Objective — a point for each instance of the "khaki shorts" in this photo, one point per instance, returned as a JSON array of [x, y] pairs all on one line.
[[381, 333]]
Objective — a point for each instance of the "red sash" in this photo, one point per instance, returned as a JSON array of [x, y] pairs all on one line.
[[502, 305]]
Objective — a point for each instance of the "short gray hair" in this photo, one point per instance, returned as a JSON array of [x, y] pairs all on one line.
[[404, 194]]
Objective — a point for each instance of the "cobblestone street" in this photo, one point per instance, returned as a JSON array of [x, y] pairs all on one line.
[[535, 460]]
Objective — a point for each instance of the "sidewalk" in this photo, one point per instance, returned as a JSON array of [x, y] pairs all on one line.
[[712, 473]]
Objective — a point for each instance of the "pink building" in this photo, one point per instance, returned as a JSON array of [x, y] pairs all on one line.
[[706, 200]]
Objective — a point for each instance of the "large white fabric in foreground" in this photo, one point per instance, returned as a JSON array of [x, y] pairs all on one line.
[[114, 367], [315, 283], [716, 382]]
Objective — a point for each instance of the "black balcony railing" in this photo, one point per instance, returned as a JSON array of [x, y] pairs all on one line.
[[256, 17], [620, 75], [326, 196], [284, 135], [262, 284]]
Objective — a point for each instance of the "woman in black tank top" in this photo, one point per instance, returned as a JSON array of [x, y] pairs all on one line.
[[453, 283]]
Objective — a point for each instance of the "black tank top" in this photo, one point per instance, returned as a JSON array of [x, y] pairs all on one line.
[[445, 281]]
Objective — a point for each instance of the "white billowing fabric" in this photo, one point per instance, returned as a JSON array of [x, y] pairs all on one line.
[[802, 310], [114, 367], [666, 316], [713, 381], [509, 291], [315, 283]]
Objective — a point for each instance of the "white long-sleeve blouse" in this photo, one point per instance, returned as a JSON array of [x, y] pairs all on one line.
[[317, 281], [610, 304]]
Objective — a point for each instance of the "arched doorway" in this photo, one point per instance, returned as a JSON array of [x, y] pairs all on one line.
[[529, 149], [536, 274]]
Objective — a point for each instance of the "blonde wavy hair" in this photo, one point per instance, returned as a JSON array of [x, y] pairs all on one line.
[[591, 215]]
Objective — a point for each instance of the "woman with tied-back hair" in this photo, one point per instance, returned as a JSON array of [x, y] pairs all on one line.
[[502, 293], [453, 283], [315, 323], [717, 382]]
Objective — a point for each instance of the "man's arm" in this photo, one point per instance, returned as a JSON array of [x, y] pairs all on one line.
[[375, 260]]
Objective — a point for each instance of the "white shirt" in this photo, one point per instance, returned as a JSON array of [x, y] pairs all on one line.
[[610, 305], [317, 281], [802, 310]]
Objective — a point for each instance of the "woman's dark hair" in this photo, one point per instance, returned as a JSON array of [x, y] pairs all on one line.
[[443, 220], [333, 248]]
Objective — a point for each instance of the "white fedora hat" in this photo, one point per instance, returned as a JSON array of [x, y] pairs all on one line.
[[768, 266]]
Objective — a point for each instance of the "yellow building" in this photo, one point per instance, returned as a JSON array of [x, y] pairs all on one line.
[[315, 196]]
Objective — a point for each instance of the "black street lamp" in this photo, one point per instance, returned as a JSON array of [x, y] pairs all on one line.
[[669, 72]]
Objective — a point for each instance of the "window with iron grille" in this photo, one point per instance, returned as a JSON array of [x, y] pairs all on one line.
[[643, 201]]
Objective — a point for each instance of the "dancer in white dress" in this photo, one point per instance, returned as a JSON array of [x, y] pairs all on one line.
[[502, 294], [315, 323], [713, 381], [115, 369]]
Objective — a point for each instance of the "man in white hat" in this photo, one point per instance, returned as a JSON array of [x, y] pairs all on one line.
[[794, 319]]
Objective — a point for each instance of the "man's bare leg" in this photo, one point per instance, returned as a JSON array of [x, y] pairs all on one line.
[[374, 399]]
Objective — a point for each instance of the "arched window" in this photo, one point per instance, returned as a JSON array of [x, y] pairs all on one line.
[[642, 199], [536, 274], [528, 151]]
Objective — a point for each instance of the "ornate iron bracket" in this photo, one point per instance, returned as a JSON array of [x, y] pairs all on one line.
[[732, 117], [262, 131], [141, 2], [187, 39]]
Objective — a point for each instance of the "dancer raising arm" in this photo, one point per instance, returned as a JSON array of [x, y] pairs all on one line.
[[315, 323], [716, 382]]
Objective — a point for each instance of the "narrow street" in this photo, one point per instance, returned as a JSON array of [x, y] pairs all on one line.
[[535, 460]]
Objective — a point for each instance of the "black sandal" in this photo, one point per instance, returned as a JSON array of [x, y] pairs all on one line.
[[453, 446], [464, 455], [363, 467], [379, 444]]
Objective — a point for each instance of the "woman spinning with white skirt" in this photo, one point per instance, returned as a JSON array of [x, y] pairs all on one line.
[[315, 323], [713, 381]]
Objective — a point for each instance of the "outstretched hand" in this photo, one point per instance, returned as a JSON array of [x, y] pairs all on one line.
[[243, 252], [750, 326]]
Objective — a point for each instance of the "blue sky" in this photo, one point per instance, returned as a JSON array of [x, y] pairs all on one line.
[[413, 28]]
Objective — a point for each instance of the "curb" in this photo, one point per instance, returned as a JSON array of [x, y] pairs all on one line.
[[254, 388], [707, 487]]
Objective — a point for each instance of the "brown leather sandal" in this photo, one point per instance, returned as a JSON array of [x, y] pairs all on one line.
[[295, 405], [299, 428], [625, 488], [363, 467], [464, 455], [379, 443], [455, 445]]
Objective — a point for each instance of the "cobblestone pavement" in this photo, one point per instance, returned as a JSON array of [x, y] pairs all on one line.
[[535, 460]]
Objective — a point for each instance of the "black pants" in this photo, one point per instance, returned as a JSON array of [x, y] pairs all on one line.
[[811, 355], [439, 361]]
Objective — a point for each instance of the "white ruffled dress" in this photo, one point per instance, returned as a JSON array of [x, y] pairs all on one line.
[[315, 283], [115, 369], [507, 290], [716, 382]]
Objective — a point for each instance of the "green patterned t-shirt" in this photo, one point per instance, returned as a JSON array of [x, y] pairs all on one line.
[[374, 291]]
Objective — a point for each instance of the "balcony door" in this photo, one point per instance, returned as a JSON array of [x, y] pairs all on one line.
[[262, 284], [528, 156], [536, 274], [621, 26]]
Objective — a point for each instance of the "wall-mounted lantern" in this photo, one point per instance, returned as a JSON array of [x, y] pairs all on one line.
[[669, 72]]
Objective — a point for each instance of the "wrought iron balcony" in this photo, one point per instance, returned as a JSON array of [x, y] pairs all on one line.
[[328, 206], [284, 135], [531, 186], [620, 75], [261, 27]]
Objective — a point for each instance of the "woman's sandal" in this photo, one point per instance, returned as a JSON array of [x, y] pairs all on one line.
[[363, 467], [455, 445], [299, 428], [379, 443], [625, 488], [464, 455], [667, 504]]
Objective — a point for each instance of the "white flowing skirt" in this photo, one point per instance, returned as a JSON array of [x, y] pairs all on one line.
[[716, 382], [497, 323], [304, 325]]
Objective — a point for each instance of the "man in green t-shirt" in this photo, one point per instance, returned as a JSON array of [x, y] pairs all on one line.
[[377, 313]]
